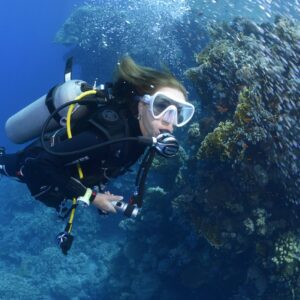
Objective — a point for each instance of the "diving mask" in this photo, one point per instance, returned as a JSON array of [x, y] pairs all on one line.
[[175, 111]]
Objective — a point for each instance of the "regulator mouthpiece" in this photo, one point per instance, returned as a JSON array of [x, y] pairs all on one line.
[[166, 144]]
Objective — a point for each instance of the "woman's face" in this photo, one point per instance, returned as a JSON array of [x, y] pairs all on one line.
[[151, 127]]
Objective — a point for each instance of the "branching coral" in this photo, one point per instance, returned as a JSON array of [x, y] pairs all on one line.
[[218, 143], [287, 252]]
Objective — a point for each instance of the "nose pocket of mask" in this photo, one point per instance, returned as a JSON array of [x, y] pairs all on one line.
[[170, 116]]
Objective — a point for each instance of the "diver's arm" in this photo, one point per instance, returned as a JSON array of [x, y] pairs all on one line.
[[48, 170]]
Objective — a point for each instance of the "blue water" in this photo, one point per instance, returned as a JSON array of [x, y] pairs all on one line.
[[30, 61], [31, 266]]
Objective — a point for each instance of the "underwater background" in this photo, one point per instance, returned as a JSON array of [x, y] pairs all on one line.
[[221, 220]]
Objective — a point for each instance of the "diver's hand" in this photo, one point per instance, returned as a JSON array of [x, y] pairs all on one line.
[[103, 202]]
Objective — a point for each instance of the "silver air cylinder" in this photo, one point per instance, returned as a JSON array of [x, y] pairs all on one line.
[[26, 124]]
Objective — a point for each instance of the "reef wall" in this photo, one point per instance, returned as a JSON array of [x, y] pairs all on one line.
[[248, 81], [234, 219]]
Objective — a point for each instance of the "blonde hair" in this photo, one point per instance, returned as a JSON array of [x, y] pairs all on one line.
[[133, 80]]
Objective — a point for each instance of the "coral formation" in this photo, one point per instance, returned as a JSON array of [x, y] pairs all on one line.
[[287, 253], [248, 81], [222, 214], [234, 220]]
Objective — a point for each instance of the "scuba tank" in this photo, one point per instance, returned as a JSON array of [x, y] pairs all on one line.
[[26, 124]]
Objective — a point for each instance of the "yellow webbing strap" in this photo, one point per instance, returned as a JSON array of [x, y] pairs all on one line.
[[69, 133]]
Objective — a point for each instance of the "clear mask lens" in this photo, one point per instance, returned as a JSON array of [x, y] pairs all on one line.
[[160, 104]]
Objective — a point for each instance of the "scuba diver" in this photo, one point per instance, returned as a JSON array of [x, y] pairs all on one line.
[[84, 136]]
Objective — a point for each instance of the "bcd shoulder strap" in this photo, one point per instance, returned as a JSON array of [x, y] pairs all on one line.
[[111, 121]]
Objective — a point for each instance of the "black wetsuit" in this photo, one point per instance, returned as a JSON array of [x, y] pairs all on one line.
[[52, 178]]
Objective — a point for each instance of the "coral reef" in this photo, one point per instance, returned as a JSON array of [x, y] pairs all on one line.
[[248, 182], [33, 267], [249, 84], [232, 221], [151, 258], [223, 214]]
